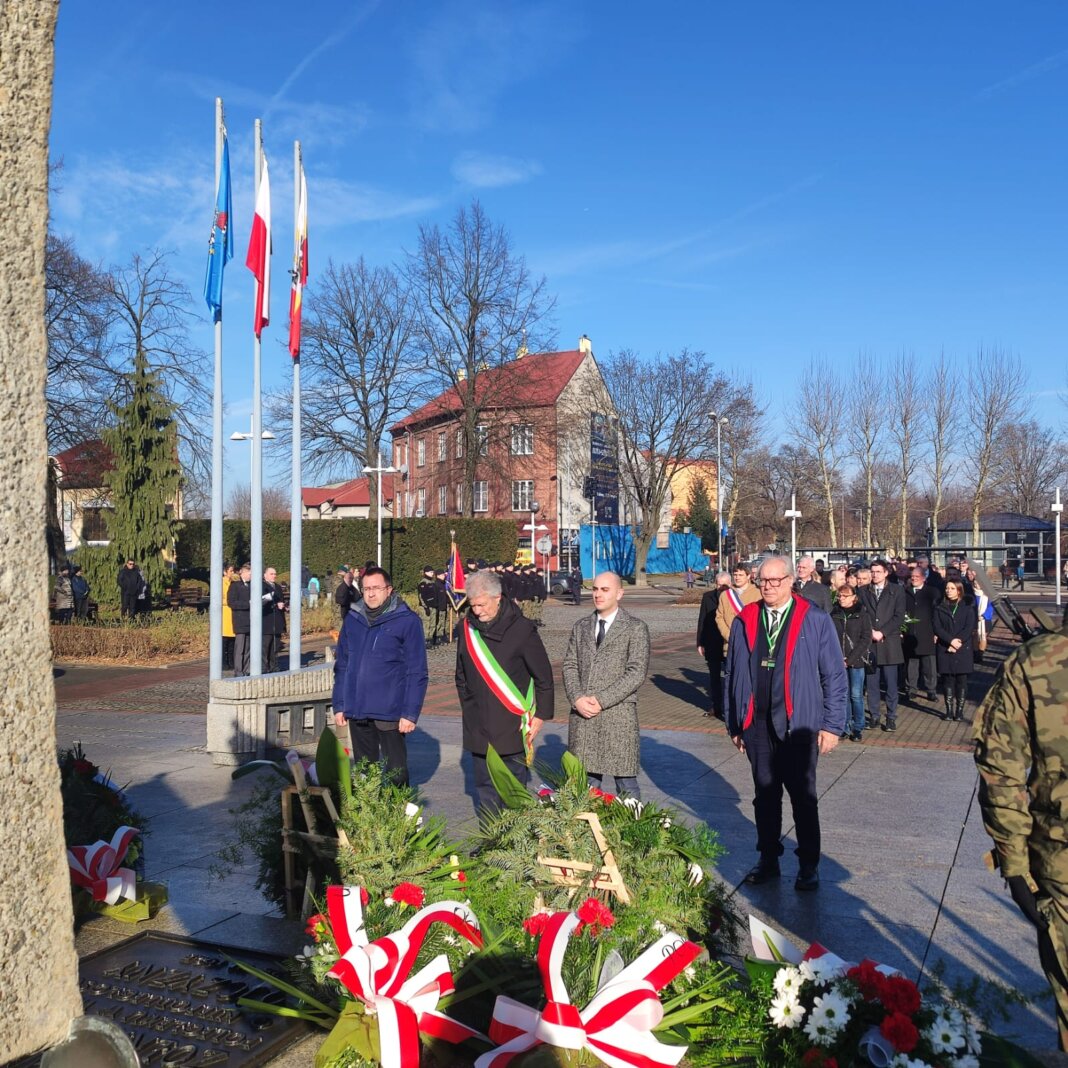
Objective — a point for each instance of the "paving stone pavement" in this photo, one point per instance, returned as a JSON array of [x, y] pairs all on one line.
[[902, 875]]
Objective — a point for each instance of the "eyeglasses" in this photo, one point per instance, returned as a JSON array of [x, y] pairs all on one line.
[[373, 589], [773, 581]]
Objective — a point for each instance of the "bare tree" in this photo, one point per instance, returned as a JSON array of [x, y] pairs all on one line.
[[276, 502], [359, 370], [742, 436], [477, 307], [81, 378], [1031, 462], [662, 406], [942, 417], [995, 395], [818, 431], [865, 405], [151, 313], [772, 480], [906, 419]]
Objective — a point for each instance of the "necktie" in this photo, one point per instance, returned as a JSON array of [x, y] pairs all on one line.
[[878, 592], [774, 620], [600, 632]]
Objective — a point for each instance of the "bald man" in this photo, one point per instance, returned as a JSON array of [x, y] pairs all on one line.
[[605, 665]]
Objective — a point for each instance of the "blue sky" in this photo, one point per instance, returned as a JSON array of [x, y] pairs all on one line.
[[768, 182]]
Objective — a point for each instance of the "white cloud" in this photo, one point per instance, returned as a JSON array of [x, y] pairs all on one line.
[[340, 203], [1035, 70], [488, 171]]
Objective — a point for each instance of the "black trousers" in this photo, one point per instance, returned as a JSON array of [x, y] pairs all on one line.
[[128, 602], [489, 801], [241, 654], [920, 673], [789, 763], [380, 740], [271, 645], [715, 683]]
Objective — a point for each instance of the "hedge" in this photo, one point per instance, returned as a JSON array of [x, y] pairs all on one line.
[[407, 544]]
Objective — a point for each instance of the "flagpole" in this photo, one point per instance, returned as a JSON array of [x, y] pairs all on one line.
[[295, 546], [256, 534], [215, 607]]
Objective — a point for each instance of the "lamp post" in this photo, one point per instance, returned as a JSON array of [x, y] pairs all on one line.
[[380, 471], [793, 515], [1057, 508], [721, 421]]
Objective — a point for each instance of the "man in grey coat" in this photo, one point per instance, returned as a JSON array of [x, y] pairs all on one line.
[[605, 665]]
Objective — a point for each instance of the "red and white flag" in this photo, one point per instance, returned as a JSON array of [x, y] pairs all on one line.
[[258, 260], [300, 267]]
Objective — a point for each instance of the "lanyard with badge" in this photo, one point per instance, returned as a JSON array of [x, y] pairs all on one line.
[[772, 634]]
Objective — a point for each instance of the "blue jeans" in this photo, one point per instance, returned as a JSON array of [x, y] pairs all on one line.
[[855, 721]]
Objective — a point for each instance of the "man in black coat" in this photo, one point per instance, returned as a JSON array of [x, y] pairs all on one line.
[[809, 586], [347, 592], [710, 644], [918, 643], [885, 601], [130, 582], [496, 640], [274, 619], [575, 583], [237, 597]]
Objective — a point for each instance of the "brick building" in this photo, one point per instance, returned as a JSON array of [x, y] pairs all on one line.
[[531, 428], [345, 500]]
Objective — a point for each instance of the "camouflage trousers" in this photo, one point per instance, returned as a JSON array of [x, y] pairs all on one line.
[[1053, 950]]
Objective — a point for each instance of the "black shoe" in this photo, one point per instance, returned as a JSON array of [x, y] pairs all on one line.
[[713, 714], [874, 725], [808, 878], [890, 726], [856, 736], [764, 872], [931, 696]]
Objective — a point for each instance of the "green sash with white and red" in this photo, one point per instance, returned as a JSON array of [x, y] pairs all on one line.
[[501, 686]]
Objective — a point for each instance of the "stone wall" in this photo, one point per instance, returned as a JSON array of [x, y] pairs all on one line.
[[38, 966]]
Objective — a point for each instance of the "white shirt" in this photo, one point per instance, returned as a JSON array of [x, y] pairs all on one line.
[[608, 621]]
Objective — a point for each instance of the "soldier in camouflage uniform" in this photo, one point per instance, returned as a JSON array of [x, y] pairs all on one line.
[[1021, 734]]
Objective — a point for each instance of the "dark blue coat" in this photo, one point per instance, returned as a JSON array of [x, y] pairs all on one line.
[[815, 678], [381, 670]]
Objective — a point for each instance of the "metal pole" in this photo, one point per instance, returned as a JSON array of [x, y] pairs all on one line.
[[296, 548], [378, 482], [215, 607], [793, 515], [719, 497], [256, 537], [1057, 509]]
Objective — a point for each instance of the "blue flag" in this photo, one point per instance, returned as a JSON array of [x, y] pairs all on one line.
[[221, 241]]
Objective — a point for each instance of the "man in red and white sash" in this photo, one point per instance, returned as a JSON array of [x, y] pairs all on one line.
[[740, 593], [504, 681]]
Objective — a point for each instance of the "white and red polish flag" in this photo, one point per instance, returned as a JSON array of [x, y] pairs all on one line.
[[300, 268], [258, 260]]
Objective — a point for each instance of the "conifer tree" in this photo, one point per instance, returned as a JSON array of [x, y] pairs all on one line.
[[702, 516], [146, 476]]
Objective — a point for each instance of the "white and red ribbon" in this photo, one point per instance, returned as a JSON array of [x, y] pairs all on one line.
[[97, 868], [378, 973], [616, 1026], [772, 945]]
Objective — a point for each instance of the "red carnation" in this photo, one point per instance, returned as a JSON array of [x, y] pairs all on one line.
[[461, 876], [535, 925], [608, 798], [316, 926], [900, 1032], [816, 1058], [409, 894], [899, 994], [595, 915], [595, 792], [867, 978]]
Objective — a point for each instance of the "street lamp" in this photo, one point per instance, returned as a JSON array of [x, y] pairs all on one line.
[[721, 421], [380, 471], [1056, 508], [793, 515]]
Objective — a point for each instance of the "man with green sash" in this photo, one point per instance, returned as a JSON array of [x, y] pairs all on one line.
[[504, 681]]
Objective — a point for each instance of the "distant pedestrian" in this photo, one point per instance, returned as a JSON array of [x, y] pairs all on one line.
[[227, 617], [314, 586], [130, 581], [238, 597], [274, 619], [80, 588], [64, 595], [347, 592], [691, 577], [1006, 574], [955, 624], [575, 582], [1020, 577]]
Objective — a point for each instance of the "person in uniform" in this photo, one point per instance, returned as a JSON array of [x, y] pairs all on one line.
[[1021, 751]]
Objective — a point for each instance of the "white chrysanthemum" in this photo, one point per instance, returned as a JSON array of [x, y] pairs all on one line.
[[634, 805], [665, 822], [690, 973], [660, 928], [788, 980], [832, 1010], [819, 1032], [307, 953], [786, 1011], [696, 874], [966, 1060], [972, 1038], [821, 970], [411, 809], [389, 902], [903, 1060], [943, 1036]]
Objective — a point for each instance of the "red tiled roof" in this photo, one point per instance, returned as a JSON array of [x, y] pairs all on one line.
[[84, 466], [535, 381], [352, 494]]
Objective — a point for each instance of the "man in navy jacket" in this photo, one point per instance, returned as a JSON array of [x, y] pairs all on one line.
[[786, 695], [380, 676]]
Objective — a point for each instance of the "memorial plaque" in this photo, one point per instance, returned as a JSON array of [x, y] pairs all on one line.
[[177, 1000]]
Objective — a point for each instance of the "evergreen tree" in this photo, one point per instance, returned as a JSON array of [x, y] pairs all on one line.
[[702, 516], [146, 476]]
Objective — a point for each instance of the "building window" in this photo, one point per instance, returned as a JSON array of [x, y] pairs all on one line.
[[482, 437], [421, 510], [459, 498], [443, 499], [95, 524], [481, 496], [522, 439], [420, 452], [443, 448], [522, 494], [460, 443]]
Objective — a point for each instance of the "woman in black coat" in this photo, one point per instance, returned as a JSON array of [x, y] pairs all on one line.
[[955, 622]]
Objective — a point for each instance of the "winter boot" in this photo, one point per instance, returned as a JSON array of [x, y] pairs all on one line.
[[947, 697]]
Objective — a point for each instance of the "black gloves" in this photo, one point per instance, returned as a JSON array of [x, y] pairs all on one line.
[[1025, 900]]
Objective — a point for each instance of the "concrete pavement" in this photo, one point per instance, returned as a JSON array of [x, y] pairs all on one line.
[[902, 876]]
